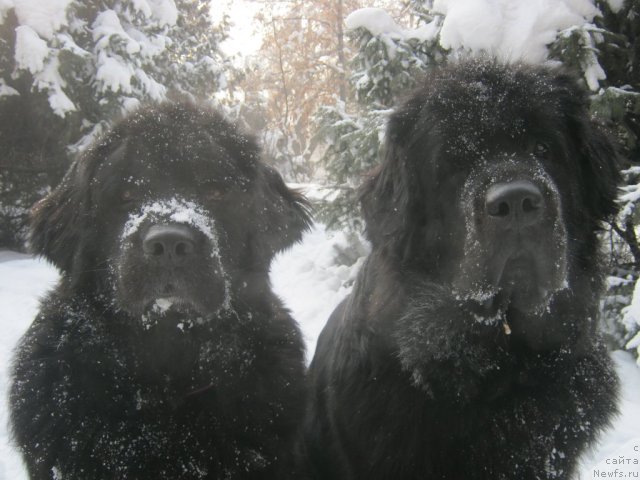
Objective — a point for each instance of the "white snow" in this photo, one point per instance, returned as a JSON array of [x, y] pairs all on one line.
[[615, 5], [631, 193], [6, 90], [49, 79], [107, 25], [142, 6], [164, 11], [426, 32], [23, 280], [119, 74], [380, 23], [151, 87], [33, 54], [31, 50], [5, 6], [625, 430], [376, 20], [113, 74], [129, 104], [311, 285], [44, 17], [121, 49], [506, 29], [593, 72], [310, 282], [631, 319], [164, 304], [175, 210], [178, 210], [510, 30]]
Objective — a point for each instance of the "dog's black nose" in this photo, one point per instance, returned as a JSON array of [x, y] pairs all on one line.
[[515, 203], [169, 244]]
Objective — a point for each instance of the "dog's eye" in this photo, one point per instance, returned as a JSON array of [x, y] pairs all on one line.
[[215, 194], [541, 150], [127, 196]]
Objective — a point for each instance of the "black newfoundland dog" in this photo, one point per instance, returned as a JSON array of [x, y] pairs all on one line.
[[468, 348], [163, 353]]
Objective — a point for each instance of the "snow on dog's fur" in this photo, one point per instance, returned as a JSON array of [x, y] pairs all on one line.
[[173, 211], [163, 353], [468, 348]]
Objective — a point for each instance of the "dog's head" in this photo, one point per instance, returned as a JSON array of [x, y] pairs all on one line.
[[495, 180], [173, 207]]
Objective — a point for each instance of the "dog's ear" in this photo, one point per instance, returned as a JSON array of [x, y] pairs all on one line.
[[390, 195], [59, 223], [56, 220], [600, 171], [283, 213], [599, 162]]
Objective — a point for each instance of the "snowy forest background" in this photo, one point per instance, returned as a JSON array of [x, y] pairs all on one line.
[[315, 82], [316, 89]]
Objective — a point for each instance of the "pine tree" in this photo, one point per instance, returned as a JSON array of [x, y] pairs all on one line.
[[606, 53], [388, 61], [63, 79]]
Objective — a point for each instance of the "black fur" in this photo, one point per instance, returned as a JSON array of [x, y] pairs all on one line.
[[206, 383], [468, 348]]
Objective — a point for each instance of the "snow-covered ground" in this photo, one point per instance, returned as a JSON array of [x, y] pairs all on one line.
[[311, 285], [22, 281]]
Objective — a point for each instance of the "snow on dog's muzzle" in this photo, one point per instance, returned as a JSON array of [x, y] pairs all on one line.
[[516, 243], [170, 257]]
